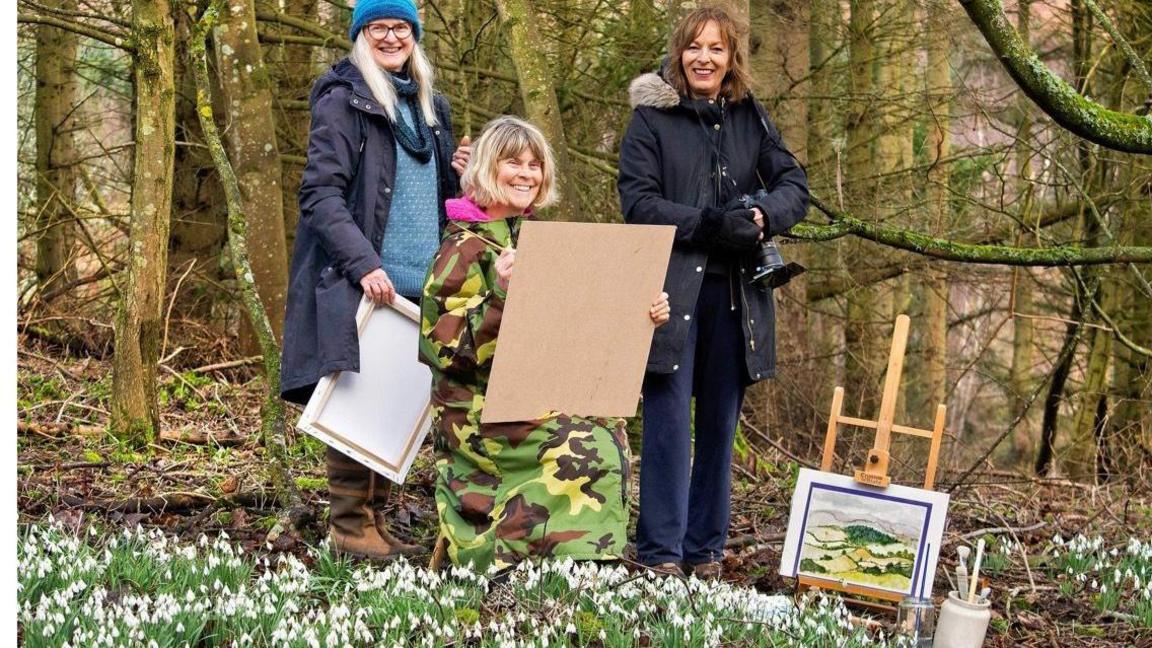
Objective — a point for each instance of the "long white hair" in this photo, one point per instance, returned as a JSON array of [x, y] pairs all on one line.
[[377, 79]]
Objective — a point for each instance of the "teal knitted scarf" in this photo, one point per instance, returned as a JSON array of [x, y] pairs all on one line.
[[417, 141]]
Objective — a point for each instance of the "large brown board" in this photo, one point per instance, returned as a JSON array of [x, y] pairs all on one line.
[[575, 331]]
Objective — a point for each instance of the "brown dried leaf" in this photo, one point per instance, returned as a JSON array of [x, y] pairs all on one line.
[[230, 484]]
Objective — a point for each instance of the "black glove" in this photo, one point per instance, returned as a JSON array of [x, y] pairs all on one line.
[[733, 230]]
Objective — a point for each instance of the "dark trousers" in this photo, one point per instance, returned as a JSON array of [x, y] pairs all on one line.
[[685, 495]]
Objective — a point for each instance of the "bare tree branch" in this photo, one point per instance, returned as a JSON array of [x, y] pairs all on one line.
[[111, 38]]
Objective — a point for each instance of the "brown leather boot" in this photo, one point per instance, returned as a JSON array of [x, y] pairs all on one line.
[[380, 497], [352, 523]]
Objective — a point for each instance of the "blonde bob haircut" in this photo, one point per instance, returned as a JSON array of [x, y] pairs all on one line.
[[505, 138], [737, 81]]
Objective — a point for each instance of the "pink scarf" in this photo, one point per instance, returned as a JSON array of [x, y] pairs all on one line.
[[463, 209]]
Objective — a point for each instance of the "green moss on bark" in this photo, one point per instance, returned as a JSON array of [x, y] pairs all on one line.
[[1087, 119]]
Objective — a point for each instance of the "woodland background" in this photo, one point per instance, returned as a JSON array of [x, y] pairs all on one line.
[[1010, 214]]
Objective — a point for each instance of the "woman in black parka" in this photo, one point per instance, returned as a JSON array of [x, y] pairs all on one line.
[[381, 163], [697, 143]]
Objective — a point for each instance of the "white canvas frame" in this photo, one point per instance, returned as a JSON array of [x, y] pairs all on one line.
[[378, 416], [930, 508]]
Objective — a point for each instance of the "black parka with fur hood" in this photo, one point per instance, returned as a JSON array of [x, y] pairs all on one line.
[[681, 161]]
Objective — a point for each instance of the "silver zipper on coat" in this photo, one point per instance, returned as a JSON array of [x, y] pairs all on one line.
[[747, 318]]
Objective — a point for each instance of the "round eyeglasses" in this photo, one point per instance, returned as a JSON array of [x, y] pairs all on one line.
[[379, 31]]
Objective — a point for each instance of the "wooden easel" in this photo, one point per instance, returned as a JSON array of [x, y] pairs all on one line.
[[875, 471]]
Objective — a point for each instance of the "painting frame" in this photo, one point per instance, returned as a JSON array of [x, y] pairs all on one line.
[[882, 519], [380, 415]]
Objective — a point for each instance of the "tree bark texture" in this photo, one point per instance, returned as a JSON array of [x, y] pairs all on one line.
[[247, 97], [894, 93], [1126, 449], [272, 411], [538, 92], [199, 217], [825, 173], [1020, 379], [292, 74], [140, 323], [868, 306], [778, 49], [935, 291], [778, 52], [1045, 452], [56, 173], [1081, 459], [1130, 424]]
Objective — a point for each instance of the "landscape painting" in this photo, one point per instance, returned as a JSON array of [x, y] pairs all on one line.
[[883, 539]]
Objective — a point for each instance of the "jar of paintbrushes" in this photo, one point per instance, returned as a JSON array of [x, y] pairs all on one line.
[[965, 615]]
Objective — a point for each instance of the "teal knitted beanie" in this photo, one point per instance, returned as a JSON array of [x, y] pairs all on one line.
[[368, 10]]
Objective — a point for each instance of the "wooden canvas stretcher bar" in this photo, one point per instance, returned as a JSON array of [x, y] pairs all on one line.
[[379, 416]]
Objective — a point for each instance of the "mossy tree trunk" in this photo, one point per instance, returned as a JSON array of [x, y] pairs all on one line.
[[1130, 425], [824, 143], [868, 306], [272, 411], [778, 50], [139, 322], [199, 216], [1124, 429], [1082, 458], [894, 98], [292, 74], [56, 174], [538, 92], [255, 154], [1020, 379], [935, 291]]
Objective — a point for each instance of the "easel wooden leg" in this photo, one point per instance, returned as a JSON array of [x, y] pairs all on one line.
[[934, 449], [830, 435]]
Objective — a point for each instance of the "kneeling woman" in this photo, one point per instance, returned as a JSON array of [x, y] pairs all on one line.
[[551, 487]]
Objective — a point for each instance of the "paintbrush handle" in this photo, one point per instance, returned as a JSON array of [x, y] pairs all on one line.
[[961, 578], [976, 571]]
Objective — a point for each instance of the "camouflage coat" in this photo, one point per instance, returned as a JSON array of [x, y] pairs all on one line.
[[548, 487]]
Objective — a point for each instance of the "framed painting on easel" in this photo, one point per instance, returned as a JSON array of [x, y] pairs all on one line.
[[866, 540], [864, 535]]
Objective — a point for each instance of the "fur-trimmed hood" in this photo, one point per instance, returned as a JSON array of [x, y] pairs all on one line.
[[653, 91]]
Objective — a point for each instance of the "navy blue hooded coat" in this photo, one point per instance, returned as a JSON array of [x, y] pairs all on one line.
[[345, 195]]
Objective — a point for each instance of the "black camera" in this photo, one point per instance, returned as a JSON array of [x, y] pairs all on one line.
[[770, 268]]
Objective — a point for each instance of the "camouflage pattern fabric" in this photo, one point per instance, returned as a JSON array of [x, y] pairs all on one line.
[[550, 487]]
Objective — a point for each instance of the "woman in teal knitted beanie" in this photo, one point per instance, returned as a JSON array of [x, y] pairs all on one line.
[[381, 162]]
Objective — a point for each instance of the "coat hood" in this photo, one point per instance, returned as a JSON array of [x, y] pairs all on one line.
[[653, 91], [342, 73]]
